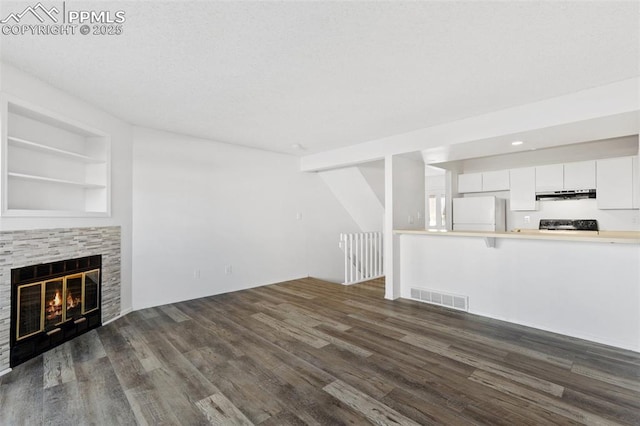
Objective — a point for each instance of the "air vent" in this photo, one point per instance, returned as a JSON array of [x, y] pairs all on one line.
[[447, 300]]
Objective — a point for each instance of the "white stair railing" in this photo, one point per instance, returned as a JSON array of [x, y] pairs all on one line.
[[362, 256]]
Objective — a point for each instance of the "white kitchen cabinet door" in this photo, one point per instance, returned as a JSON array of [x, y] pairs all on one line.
[[470, 182], [495, 181], [550, 178], [614, 183], [523, 189], [580, 175]]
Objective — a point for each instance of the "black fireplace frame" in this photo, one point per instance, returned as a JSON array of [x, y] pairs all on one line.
[[32, 346]]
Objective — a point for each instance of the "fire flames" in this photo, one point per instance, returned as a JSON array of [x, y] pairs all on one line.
[[72, 302], [54, 306], [54, 309]]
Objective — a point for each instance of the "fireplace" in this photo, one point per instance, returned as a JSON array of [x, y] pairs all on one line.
[[52, 303]]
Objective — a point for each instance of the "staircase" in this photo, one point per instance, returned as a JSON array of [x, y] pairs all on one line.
[[362, 256]]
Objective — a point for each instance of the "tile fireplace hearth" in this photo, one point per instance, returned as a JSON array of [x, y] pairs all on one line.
[[53, 246]]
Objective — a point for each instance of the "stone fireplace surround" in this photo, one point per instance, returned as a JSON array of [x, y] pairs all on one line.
[[31, 247]]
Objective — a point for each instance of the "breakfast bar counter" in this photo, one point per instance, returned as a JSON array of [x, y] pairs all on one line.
[[580, 284], [619, 237]]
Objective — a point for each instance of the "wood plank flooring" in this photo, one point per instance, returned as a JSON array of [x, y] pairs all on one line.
[[312, 352]]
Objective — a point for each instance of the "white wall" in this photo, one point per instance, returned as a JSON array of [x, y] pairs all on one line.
[[356, 195], [408, 193], [404, 209], [201, 206], [585, 290], [608, 220], [373, 172], [37, 92]]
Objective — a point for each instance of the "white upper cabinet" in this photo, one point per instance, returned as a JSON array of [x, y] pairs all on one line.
[[616, 180], [470, 182], [550, 178], [495, 181], [523, 189], [615, 184], [484, 182], [568, 176], [580, 175]]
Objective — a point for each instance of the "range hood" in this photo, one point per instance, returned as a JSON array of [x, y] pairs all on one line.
[[577, 194]]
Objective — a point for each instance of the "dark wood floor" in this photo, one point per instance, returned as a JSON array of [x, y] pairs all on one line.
[[310, 352]]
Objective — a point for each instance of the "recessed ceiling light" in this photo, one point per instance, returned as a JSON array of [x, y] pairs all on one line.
[[516, 143]]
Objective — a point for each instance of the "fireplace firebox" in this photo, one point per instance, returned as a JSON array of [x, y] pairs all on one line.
[[53, 303]]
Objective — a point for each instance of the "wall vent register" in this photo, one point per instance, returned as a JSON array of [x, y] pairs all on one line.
[[447, 300]]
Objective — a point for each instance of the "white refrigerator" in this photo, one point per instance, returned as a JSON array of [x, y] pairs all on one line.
[[479, 214]]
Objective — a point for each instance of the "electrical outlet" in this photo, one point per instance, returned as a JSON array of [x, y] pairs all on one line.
[[299, 216], [196, 274], [228, 270], [410, 220], [527, 219]]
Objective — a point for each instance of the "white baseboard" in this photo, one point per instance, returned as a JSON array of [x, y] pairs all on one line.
[[364, 280], [3, 372], [123, 313]]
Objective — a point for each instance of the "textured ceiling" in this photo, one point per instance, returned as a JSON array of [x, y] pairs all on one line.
[[330, 74]]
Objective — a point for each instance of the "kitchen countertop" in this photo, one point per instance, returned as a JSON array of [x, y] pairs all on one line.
[[620, 237]]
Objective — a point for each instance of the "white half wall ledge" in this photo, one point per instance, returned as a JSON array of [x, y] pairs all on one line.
[[619, 98]]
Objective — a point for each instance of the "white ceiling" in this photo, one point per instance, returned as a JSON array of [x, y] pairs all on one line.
[[330, 74]]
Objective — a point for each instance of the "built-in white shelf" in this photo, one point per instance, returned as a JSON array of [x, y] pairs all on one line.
[[51, 213], [53, 180], [55, 151], [52, 165]]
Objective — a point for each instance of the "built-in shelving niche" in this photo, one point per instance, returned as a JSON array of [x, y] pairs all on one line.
[[52, 166]]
